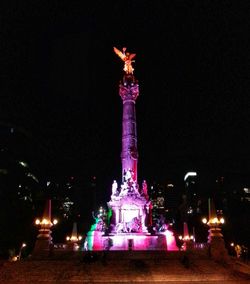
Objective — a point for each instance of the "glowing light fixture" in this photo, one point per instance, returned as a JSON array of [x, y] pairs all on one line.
[[215, 221], [23, 164], [73, 238], [190, 174], [204, 220], [20, 251], [46, 222], [247, 190]]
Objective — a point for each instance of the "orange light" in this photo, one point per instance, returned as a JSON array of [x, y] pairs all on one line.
[[45, 222], [215, 220]]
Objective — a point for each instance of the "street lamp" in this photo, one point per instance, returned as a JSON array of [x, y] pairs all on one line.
[[20, 251], [186, 238], [44, 243], [215, 222], [45, 224], [216, 248], [74, 239]]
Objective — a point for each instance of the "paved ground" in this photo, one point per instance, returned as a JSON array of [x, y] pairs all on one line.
[[121, 268]]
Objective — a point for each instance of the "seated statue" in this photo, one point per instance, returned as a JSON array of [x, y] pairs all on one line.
[[124, 189], [134, 226]]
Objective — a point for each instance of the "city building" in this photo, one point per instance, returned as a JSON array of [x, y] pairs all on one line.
[[165, 198]]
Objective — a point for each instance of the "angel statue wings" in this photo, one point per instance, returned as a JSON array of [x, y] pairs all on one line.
[[127, 58]]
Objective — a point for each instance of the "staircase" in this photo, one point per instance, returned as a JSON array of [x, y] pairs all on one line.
[[119, 267]]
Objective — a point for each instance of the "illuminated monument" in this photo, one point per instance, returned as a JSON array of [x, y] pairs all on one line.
[[130, 204]]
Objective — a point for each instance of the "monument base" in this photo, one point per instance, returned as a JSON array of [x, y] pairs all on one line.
[[132, 241]]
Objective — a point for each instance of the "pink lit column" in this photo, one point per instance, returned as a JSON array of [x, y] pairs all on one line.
[[129, 91]]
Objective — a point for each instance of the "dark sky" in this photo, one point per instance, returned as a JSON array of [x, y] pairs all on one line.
[[60, 83]]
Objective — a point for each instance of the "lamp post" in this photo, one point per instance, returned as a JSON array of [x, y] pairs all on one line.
[[20, 251], [186, 238], [74, 239], [45, 225], [214, 224], [216, 243], [44, 239]]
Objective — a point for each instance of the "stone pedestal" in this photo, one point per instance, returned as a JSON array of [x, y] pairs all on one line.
[[43, 248], [217, 250], [136, 241]]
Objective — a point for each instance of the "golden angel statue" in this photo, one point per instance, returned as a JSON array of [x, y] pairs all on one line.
[[127, 58]]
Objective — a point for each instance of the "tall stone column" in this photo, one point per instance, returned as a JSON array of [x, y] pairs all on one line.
[[129, 91]]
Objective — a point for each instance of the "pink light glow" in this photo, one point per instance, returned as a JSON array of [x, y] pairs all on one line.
[[164, 241], [139, 242], [170, 239], [129, 214]]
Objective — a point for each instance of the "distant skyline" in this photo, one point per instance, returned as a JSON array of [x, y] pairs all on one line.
[[60, 84]]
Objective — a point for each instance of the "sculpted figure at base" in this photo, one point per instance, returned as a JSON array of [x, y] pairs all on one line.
[[124, 189], [135, 188], [134, 226], [99, 225], [145, 188], [114, 188], [128, 176]]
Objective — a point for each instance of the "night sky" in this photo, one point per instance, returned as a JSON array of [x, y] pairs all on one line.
[[60, 81]]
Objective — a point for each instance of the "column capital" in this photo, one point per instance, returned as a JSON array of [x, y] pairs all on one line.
[[129, 89]]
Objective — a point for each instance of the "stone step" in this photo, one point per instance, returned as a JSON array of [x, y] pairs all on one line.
[[114, 271]]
